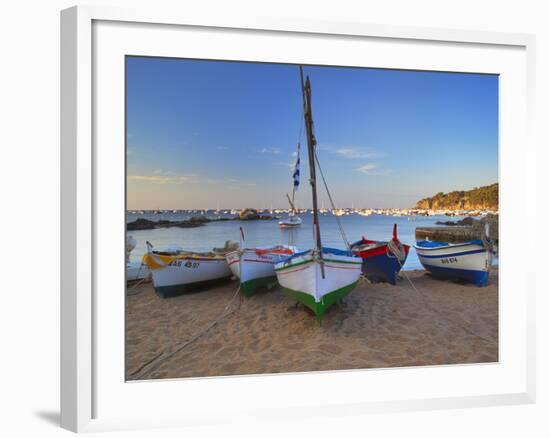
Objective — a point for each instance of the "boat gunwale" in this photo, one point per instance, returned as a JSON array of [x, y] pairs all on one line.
[[215, 258], [326, 261], [447, 245], [454, 254]]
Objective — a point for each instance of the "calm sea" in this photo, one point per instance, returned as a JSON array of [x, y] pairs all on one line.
[[267, 232]]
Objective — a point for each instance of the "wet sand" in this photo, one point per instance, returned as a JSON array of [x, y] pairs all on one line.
[[378, 325]]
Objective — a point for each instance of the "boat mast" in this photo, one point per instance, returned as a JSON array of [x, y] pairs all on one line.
[[291, 203], [293, 179], [311, 143]]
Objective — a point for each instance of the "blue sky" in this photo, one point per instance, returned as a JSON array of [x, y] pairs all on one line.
[[206, 134]]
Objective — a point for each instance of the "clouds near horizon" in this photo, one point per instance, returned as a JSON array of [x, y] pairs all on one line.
[[203, 133]]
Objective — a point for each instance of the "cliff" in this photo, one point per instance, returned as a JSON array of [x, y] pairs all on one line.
[[480, 198]]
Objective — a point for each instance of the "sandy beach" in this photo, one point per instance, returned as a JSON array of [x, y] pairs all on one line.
[[378, 325]]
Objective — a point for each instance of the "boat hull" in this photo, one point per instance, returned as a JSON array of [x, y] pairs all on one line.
[[301, 278], [290, 222], [255, 268], [468, 261], [380, 264], [136, 271], [288, 225], [176, 275]]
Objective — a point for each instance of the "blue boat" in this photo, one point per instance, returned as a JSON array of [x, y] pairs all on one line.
[[382, 260], [467, 261]]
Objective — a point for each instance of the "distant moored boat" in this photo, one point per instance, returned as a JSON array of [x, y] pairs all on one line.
[[293, 220]]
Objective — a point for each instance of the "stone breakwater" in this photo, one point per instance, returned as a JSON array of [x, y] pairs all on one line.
[[459, 231]]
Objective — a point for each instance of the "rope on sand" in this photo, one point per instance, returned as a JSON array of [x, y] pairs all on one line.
[[158, 360], [138, 283], [130, 290], [436, 310]]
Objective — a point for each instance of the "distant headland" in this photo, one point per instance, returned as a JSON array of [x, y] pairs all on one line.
[[479, 198]]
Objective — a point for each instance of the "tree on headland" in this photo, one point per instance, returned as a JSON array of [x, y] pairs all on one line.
[[479, 198]]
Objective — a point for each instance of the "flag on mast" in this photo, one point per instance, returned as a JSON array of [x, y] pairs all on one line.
[[296, 174]]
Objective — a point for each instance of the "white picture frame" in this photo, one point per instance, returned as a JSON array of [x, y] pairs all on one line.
[[86, 377]]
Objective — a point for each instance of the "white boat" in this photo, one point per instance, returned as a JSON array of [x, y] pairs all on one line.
[[293, 220], [319, 279], [255, 267], [175, 270], [469, 261], [321, 276], [134, 270]]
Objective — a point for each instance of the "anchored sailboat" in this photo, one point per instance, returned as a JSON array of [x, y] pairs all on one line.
[[320, 276], [292, 220]]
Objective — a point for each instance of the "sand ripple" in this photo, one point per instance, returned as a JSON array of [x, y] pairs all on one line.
[[376, 326]]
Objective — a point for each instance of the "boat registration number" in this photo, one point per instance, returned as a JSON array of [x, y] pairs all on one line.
[[449, 260], [187, 264]]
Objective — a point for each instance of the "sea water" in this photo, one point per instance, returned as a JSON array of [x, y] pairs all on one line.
[[268, 232]]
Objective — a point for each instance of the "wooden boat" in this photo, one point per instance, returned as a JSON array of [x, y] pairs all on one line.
[[175, 271], [468, 261], [322, 276], [382, 260], [255, 267], [318, 279]]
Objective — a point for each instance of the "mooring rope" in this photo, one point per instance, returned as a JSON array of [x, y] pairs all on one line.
[[161, 358], [340, 227], [436, 310], [138, 283]]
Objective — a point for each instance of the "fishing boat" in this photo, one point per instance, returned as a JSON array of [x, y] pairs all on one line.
[[382, 260], [175, 271], [293, 220], [468, 261], [321, 276], [255, 267]]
